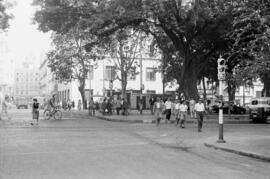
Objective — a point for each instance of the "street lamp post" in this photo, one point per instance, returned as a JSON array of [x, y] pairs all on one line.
[[221, 78]]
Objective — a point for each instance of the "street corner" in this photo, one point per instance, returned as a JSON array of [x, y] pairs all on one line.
[[243, 148]]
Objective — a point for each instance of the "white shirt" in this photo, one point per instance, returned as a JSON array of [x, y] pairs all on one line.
[[199, 107], [168, 105], [177, 106], [192, 102], [158, 105], [183, 107]]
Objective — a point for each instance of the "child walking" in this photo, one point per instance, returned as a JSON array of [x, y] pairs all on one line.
[[158, 108], [176, 111], [35, 112], [183, 113]]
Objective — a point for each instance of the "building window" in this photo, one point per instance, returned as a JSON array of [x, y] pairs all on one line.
[[150, 74], [109, 72], [132, 75], [91, 72]]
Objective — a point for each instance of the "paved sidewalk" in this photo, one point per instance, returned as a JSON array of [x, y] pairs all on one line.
[[146, 117], [255, 143]]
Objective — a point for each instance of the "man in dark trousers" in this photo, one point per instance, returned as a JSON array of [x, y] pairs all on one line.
[[152, 102], [200, 109]]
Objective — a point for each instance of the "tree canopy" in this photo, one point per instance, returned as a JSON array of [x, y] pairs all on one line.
[[4, 16], [190, 36]]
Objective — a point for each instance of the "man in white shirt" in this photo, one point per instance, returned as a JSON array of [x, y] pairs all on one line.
[[200, 109], [157, 108], [168, 109], [192, 107]]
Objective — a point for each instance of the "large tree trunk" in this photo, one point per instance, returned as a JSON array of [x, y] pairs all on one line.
[[266, 85], [231, 90], [188, 85], [82, 92], [204, 89], [231, 93], [124, 84]]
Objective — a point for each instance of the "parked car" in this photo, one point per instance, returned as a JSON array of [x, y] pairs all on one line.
[[234, 109], [259, 109]]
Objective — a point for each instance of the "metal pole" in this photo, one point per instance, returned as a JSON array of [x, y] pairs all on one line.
[[103, 81], [244, 101], [141, 78], [220, 114], [163, 76]]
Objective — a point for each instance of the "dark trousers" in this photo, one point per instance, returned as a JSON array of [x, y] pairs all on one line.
[[152, 109], [118, 110], [200, 119], [168, 114]]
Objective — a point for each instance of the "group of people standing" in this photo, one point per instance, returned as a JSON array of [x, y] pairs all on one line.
[[180, 109], [108, 106]]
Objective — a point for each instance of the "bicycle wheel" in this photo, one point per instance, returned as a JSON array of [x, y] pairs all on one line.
[[58, 115], [46, 114]]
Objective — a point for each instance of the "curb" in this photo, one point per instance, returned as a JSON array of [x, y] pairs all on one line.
[[120, 120], [243, 153], [154, 121]]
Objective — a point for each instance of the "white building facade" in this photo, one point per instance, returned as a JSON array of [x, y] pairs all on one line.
[[102, 81], [26, 82], [47, 82]]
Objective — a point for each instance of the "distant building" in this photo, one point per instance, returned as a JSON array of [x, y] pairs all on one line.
[[47, 82], [26, 82]]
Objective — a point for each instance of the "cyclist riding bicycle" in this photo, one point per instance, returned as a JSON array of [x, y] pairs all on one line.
[[52, 103], [52, 110]]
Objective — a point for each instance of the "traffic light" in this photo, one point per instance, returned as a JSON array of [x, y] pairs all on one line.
[[221, 68]]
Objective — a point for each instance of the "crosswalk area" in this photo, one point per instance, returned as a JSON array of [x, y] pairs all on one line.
[[23, 117]]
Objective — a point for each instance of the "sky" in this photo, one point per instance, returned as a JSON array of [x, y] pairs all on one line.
[[23, 41]]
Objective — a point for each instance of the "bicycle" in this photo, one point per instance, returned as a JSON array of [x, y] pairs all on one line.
[[55, 113]]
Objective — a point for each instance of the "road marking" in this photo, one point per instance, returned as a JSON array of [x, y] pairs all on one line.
[[94, 149]]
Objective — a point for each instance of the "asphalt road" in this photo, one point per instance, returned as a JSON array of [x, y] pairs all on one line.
[[79, 147]]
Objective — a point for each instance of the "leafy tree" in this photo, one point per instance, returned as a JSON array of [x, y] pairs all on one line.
[[4, 16], [187, 35], [125, 48], [69, 60], [250, 46]]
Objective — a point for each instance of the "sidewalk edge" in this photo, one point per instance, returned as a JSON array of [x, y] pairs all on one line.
[[243, 153], [120, 120]]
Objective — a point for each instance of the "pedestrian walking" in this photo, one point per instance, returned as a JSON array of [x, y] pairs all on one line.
[[109, 107], [176, 111], [140, 105], [69, 104], [152, 102], [125, 107], [103, 106], [5, 104], [183, 113], [118, 105], [79, 105], [168, 109], [158, 108], [91, 107], [73, 104], [35, 112], [200, 109], [192, 103]]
